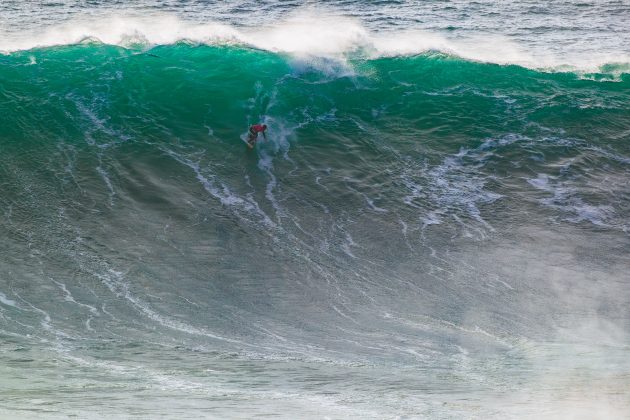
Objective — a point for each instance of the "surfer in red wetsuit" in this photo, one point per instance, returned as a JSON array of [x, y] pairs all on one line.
[[253, 134]]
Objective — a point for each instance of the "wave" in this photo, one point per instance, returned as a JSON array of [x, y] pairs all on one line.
[[406, 212], [309, 34], [439, 134]]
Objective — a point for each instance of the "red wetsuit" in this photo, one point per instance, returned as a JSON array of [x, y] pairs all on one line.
[[257, 128]]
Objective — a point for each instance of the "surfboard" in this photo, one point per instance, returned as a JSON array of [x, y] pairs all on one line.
[[245, 138]]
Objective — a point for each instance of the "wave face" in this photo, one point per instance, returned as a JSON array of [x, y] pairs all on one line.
[[418, 236]]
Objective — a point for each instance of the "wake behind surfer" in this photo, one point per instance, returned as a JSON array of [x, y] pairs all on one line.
[[253, 134]]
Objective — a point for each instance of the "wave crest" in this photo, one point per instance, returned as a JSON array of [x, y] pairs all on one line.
[[306, 34]]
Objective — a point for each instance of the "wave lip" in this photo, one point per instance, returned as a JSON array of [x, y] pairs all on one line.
[[309, 34]]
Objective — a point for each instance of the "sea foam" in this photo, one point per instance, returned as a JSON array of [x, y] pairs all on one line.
[[307, 33]]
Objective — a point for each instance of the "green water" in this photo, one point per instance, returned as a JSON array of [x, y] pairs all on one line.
[[419, 236]]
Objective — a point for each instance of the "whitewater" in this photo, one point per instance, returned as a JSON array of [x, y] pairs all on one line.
[[437, 225]]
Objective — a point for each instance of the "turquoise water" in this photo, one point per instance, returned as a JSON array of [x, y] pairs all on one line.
[[427, 233]]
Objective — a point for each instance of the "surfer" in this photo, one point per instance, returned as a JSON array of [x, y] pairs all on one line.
[[253, 134]]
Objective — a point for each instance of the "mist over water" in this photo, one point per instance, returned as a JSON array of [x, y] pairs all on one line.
[[436, 226]]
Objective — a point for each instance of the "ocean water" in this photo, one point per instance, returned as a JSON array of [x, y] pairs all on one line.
[[437, 226]]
